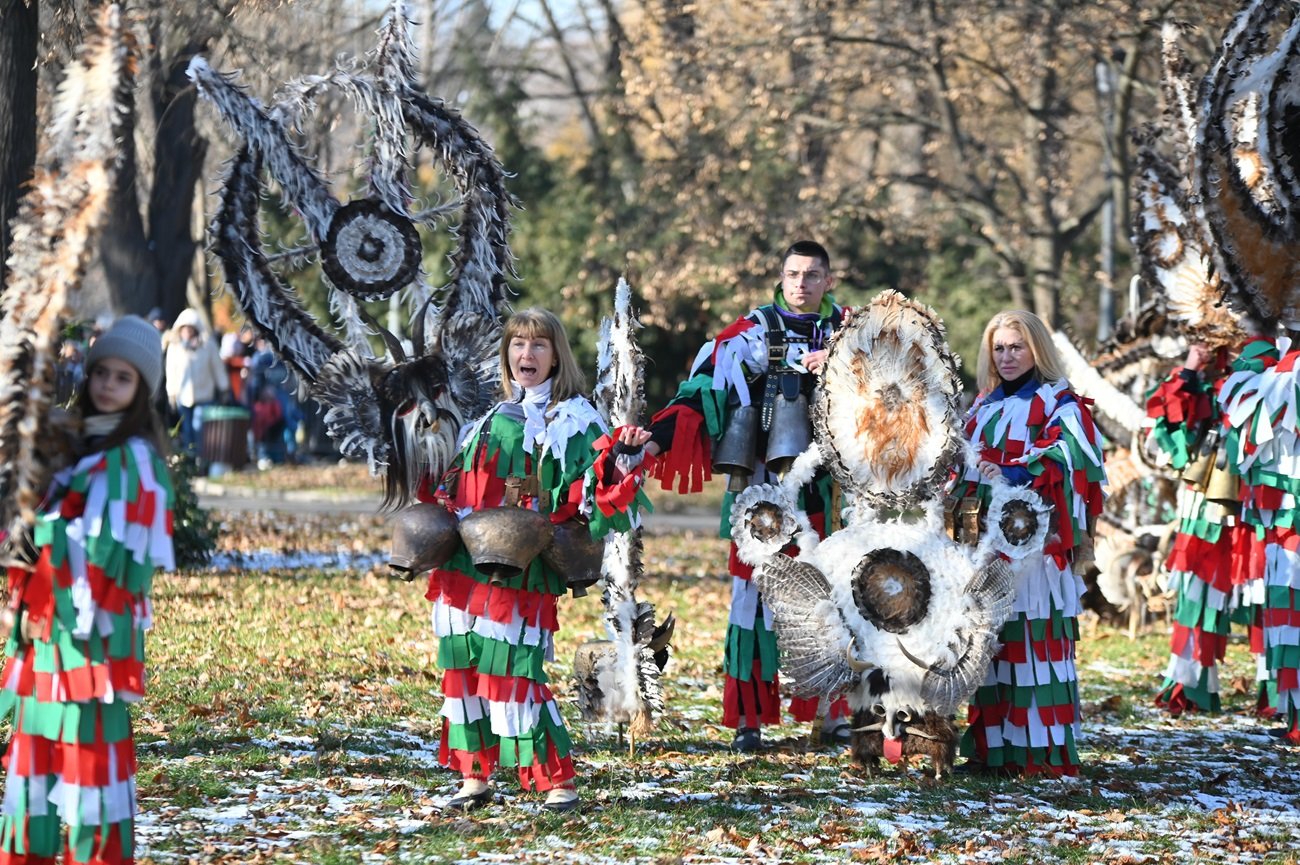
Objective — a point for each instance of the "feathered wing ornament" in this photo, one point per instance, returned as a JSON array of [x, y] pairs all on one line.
[[401, 412], [54, 235], [618, 679], [799, 597]]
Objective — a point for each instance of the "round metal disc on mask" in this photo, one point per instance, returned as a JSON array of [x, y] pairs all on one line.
[[891, 589], [1019, 522], [370, 251]]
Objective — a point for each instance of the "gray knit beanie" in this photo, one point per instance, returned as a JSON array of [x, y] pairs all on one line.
[[135, 341]]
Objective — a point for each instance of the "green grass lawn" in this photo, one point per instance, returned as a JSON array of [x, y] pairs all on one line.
[[293, 717]]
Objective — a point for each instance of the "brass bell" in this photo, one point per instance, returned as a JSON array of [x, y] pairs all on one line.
[[574, 553], [1197, 471], [1223, 486], [791, 432], [503, 541], [424, 537]]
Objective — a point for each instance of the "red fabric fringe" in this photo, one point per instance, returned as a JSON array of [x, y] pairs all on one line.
[[751, 704], [495, 603], [690, 460]]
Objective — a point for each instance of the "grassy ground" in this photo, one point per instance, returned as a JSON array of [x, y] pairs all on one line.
[[292, 716], [334, 477]]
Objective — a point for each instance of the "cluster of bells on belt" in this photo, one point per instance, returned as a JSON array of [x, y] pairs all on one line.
[[789, 434], [502, 543]]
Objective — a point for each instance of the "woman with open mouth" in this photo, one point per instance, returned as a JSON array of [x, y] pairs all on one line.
[[539, 461]]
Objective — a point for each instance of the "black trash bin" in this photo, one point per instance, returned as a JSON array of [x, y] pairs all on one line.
[[224, 435]]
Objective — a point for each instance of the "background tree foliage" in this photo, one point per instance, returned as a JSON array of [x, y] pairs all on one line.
[[965, 153]]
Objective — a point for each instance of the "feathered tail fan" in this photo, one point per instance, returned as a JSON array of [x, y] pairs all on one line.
[[54, 237], [886, 413], [1171, 241], [1246, 153]]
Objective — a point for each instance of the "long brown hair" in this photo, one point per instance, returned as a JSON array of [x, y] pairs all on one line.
[[138, 419], [566, 379]]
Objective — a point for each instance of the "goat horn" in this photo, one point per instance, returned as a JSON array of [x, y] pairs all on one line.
[[913, 658], [855, 663], [913, 731], [394, 344], [870, 728], [417, 336]]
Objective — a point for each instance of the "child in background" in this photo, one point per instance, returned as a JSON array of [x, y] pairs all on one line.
[[268, 428], [77, 615]]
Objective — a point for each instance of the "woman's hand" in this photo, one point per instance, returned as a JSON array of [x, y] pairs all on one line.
[[633, 437], [1198, 355], [990, 471]]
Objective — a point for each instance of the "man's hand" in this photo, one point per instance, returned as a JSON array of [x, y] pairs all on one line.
[[634, 438], [813, 361], [990, 470]]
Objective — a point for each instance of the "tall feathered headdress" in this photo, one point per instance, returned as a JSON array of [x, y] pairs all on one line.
[[54, 236], [1234, 202], [402, 412]]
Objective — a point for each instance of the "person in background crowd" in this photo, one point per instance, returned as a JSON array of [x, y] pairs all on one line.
[[195, 375], [237, 352], [268, 428], [266, 370], [69, 372]]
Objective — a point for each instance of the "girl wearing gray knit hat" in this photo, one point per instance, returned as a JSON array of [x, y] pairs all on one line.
[[124, 367], [80, 612]]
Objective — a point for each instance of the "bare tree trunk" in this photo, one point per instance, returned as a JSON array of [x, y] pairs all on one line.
[[125, 269], [178, 164], [19, 32]]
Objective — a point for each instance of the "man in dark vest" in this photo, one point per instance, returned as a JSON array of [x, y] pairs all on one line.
[[744, 411]]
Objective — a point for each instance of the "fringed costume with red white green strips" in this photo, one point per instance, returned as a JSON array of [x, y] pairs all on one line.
[[494, 640], [70, 782], [1201, 561], [1261, 404], [730, 370], [1025, 717]]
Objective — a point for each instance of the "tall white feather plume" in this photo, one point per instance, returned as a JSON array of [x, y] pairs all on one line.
[[54, 236], [625, 672], [1108, 399]]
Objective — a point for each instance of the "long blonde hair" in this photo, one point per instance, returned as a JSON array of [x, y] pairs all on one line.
[[1047, 360], [566, 379]]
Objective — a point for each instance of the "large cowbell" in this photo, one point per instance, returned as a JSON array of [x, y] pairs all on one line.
[[789, 427], [734, 454]]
